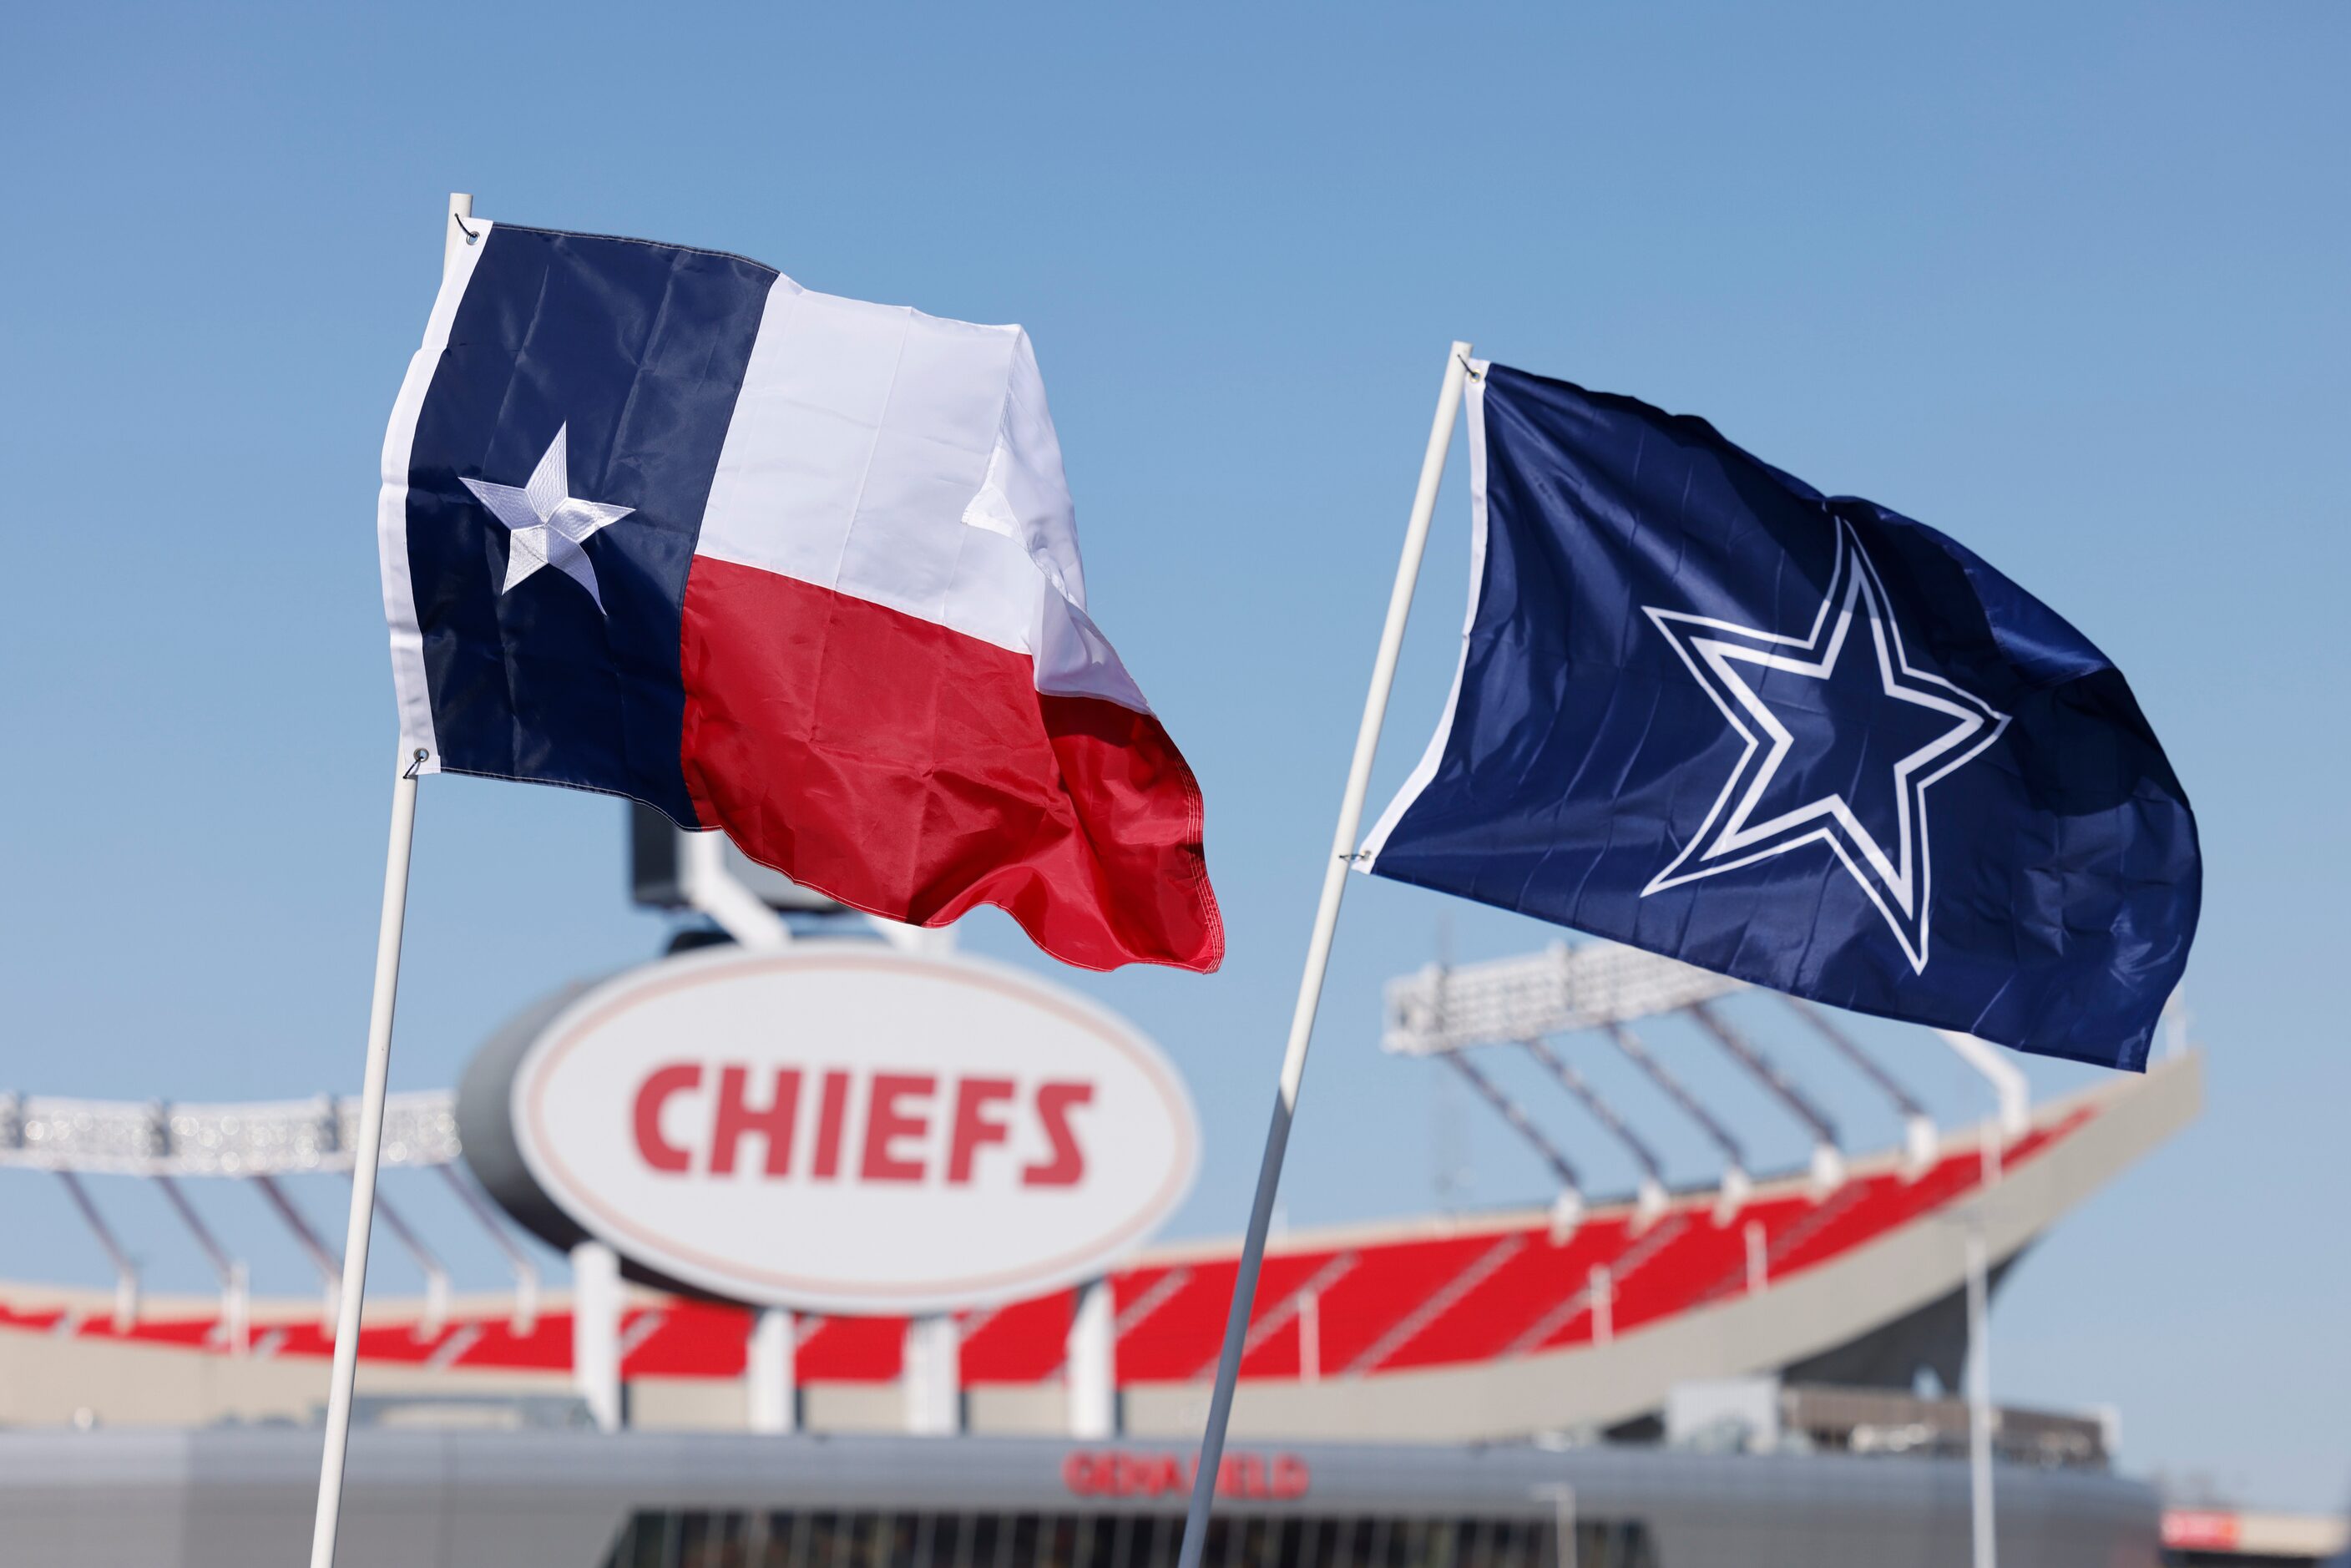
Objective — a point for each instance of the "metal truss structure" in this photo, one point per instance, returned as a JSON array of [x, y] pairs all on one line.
[[1521, 1003], [271, 1138], [1559, 990], [258, 1143]]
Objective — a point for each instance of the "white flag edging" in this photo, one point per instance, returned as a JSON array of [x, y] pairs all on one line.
[[367, 1156]]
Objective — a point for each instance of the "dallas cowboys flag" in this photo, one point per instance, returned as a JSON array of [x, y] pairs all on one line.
[[1800, 739]]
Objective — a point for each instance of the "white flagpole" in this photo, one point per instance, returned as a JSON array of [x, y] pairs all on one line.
[[363, 1171], [1318, 956], [365, 1158], [1981, 1523]]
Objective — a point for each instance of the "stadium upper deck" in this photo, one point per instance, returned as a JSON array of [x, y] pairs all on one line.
[[1493, 1326]]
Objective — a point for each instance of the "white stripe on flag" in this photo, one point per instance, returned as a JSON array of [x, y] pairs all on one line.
[[409, 688], [909, 460], [1368, 854]]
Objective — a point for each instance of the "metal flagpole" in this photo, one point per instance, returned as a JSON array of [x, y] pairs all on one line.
[[363, 1167], [379, 1072], [1318, 957], [1980, 1522]]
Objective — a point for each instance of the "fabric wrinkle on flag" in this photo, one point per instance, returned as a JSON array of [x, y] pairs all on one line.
[[1704, 709], [819, 586]]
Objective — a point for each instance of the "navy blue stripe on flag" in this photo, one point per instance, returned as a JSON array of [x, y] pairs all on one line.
[[636, 352]]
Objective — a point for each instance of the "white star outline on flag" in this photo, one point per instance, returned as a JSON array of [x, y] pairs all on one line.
[[545, 524], [1901, 884]]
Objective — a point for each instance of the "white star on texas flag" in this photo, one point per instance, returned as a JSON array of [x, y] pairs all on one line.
[[1955, 727], [545, 524]]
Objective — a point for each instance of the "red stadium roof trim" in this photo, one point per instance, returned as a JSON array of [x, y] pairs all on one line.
[[1387, 1298]]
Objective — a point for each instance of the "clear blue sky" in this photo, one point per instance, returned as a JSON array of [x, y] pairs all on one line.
[[2068, 282]]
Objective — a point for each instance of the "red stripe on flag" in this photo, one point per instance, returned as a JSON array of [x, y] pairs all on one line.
[[912, 771]]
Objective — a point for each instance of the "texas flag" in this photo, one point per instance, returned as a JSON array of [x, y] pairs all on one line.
[[660, 522]]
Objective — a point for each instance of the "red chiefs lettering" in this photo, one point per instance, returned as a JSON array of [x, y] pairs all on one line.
[[912, 1127], [1277, 1478]]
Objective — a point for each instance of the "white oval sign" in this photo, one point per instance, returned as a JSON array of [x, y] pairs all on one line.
[[840, 1127]]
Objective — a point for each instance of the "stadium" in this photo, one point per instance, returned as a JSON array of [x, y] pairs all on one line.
[[1828, 1057], [1747, 1371]]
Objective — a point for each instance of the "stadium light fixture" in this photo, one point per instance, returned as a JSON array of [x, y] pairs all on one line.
[[284, 1137], [1556, 991]]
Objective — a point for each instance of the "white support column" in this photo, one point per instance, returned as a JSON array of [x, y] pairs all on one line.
[[236, 1310], [2176, 1020], [770, 1370], [710, 888], [1566, 1215], [2008, 1081], [1091, 1364], [1603, 1296], [596, 1332], [126, 1272], [237, 1285], [933, 1377], [1828, 1168], [1759, 1259], [330, 1269], [525, 1318], [1737, 1188], [1982, 1525], [1920, 1143]]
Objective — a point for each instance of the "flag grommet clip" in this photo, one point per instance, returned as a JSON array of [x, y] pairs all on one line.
[[472, 237], [415, 763]]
